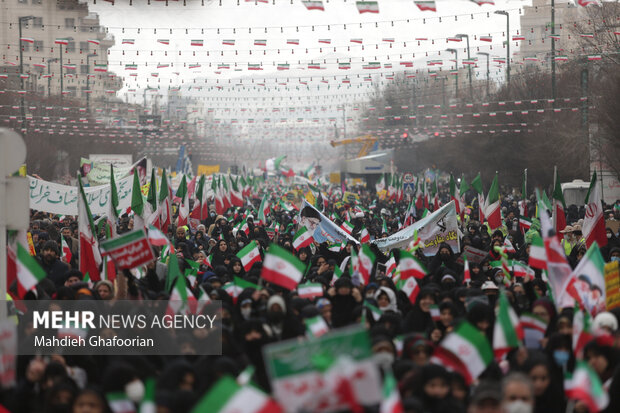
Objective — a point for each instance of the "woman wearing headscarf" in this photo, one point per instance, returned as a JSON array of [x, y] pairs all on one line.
[[419, 319]]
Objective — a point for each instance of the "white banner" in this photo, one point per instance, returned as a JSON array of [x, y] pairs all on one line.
[[62, 199], [440, 226]]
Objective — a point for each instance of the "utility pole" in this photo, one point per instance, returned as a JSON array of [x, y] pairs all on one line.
[[21, 66], [488, 71], [456, 65], [553, 51], [584, 113], [505, 13], [88, 56], [466, 36]]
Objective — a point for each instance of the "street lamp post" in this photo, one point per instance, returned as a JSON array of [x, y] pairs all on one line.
[[88, 56], [505, 13], [456, 65], [62, 79], [21, 65], [49, 75], [553, 51], [466, 36], [487, 55]]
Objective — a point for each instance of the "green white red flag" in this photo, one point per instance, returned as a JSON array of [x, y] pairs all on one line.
[[409, 266], [410, 287], [316, 326], [582, 333], [66, 251], [310, 290], [559, 218], [29, 272], [249, 255], [538, 255], [507, 332], [466, 273], [282, 268], [594, 220], [584, 385], [183, 195], [466, 351], [362, 265], [263, 210], [90, 258], [226, 396], [302, 238], [391, 402], [493, 211]]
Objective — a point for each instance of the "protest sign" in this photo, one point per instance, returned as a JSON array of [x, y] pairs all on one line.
[[474, 255], [321, 228], [612, 285], [98, 173], [298, 385], [438, 227], [130, 250], [62, 199]]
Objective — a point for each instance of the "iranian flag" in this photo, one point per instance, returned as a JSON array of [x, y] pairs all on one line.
[[226, 396], [316, 326], [426, 5], [364, 236], [466, 350], [390, 402], [90, 258], [531, 322], [409, 266], [147, 405], [466, 273], [507, 332], [493, 212], [524, 223], [200, 210], [559, 218], [453, 196], [521, 270], [29, 272], [66, 251], [156, 237], [236, 198], [282, 268], [310, 290], [390, 266], [181, 297], [367, 6], [313, 4], [581, 331], [120, 403], [410, 287], [165, 212], [584, 385], [219, 204], [592, 268], [538, 255], [363, 264], [302, 238], [263, 210], [197, 42], [347, 227], [510, 249], [249, 255], [594, 221], [183, 194]]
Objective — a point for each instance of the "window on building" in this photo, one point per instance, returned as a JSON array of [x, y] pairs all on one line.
[[37, 22], [70, 47], [84, 46], [72, 90], [69, 23], [25, 46], [84, 69], [23, 1], [37, 1], [38, 45]]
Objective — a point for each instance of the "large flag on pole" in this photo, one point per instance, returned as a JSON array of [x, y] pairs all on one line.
[[594, 221], [493, 211], [183, 194], [29, 272], [559, 218], [282, 268], [90, 257], [113, 204], [165, 211], [507, 333], [137, 202]]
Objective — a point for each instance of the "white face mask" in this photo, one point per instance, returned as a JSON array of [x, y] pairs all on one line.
[[135, 391], [518, 406], [246, 312], [384, 359]]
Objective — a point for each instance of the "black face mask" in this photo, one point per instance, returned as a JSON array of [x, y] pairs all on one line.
[[444, 256], [522, 302], [275, 316], [60, 408]]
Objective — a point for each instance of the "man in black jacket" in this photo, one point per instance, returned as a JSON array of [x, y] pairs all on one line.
[[54, 268]]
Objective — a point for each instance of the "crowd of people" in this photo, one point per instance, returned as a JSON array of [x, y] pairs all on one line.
[[530, 378]]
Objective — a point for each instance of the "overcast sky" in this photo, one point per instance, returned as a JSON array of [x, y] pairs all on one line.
[[146, 24]]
